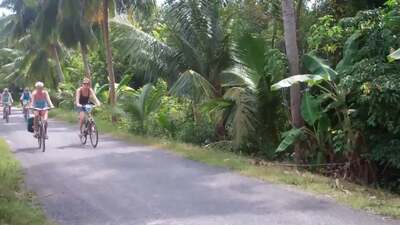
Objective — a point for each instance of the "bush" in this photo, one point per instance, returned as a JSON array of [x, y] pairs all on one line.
[[199, 133]]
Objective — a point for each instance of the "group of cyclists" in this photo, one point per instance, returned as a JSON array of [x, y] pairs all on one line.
[[40, 101]]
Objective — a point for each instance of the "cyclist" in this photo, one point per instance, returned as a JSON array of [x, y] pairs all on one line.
[[40, 100], [84, 96], [25, 98], [6, 100]]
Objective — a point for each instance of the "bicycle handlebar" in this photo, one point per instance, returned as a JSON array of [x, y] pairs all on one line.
[[40, 109]]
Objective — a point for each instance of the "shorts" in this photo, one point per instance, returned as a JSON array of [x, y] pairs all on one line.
[[80, 109], [40, 104]]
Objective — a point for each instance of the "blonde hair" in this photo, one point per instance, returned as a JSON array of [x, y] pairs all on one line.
[[85, 80], [39, 84]]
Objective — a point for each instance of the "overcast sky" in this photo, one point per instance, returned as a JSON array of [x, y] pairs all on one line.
[[4, 11]]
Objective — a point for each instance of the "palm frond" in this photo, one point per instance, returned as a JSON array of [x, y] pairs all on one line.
[[142, 49], [242, 119], [193, 86]]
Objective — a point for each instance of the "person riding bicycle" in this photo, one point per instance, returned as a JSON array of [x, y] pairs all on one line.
[[84, 96], [40, 100], [6, 100], [25, 98]]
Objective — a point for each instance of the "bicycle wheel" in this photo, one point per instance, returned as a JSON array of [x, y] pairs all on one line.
[[40, 134], [94, 134], [26, 114], [7, 115], [43, 137], [83, 136]]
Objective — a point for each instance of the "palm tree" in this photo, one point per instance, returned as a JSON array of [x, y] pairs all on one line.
[[292, 52], [199, 43], [146, 101], [107, 44], [75, 30], [33, 31], [200, 56], [45, 29]]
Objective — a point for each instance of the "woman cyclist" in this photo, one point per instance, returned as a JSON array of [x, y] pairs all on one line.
[[84, 96], [6, 101], [40, 100], [25, 99]]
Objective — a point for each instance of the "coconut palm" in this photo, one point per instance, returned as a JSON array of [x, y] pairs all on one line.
[[33, 31], [75, 30], [199, 42], [203, 63]]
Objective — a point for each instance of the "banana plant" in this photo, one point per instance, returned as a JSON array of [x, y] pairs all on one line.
[[314, 109], [394, 55]]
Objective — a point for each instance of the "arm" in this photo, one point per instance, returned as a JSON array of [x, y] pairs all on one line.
[[31, 102], [49, 100], [94, 98], [77, 96]]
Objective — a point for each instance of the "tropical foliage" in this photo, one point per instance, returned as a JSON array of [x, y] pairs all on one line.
[[320, 88]]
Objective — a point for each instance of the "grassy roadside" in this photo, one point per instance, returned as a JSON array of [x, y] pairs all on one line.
[[353, 195], [16, 206]]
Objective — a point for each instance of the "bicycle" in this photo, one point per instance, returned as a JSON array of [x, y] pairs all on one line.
[[6, 113], [41, 134], [25, 109], [89, 128]]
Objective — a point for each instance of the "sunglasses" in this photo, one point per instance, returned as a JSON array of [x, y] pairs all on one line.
[[85, 83]]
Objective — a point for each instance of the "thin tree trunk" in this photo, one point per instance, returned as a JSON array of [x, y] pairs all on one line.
[[59, 72], [274, 33], [292, 52], [298, 31], [85, 59], [110, 69]]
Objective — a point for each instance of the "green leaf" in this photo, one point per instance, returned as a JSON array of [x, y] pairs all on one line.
[[394, 56], [323, 123], [308, 78], [310, 109], [289, 138], [193, 86], [318, 67], [351, 48]]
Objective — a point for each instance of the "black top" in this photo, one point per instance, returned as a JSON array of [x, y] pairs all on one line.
[[84, 100]]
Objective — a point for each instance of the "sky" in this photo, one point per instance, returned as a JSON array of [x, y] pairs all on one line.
[[4, 11]]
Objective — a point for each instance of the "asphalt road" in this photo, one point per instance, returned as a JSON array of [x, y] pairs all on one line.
[[122, 184]]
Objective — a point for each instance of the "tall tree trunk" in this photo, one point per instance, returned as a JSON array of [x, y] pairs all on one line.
[[85, 59], [110, 69], [292, 52], [274, 33], [59, 72], [300, 4]]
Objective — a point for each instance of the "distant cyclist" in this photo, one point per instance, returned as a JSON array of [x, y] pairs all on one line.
[[6, 100], [25, 98], [84, 96], [40, 100]]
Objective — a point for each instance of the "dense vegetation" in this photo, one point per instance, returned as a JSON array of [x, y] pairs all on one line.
[[218, 74]]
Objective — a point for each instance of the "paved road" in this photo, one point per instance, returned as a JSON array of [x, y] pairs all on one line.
[[121, 184]]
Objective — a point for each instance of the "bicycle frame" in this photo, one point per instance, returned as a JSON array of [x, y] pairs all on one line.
[[6, 111], [89, 127], [41, 128]]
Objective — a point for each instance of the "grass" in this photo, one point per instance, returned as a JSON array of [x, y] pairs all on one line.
[[17, 207], [353, 195]]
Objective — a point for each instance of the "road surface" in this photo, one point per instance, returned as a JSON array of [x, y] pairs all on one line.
[[123, 184]]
